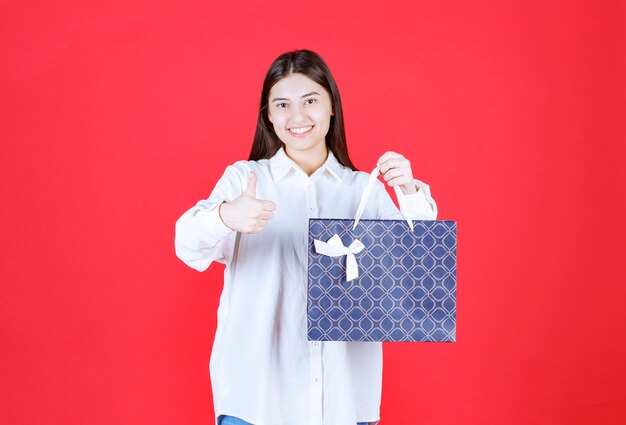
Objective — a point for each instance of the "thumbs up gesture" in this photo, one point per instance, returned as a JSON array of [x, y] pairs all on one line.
[[247, 214]]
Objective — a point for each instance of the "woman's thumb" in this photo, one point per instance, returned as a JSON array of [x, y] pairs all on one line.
[[251, 190]]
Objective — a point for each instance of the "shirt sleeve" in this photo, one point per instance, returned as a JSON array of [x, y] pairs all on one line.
[[201, 236], [420, 205]]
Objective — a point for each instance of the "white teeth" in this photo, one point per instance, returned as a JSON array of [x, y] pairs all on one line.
[[301, 130]]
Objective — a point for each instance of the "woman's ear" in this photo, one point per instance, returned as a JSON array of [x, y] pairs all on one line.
[[269, 116]]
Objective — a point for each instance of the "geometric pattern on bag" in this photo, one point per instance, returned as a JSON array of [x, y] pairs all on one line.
[[405, 289]]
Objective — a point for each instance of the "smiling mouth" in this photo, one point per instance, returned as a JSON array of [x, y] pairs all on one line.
[[301, 131]]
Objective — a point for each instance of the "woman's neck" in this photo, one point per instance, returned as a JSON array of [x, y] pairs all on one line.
[[309, 160]]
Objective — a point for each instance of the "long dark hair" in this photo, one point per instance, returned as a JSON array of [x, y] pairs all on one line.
[[266, 142]]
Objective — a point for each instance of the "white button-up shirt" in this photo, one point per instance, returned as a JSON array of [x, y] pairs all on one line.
[[263, 369]]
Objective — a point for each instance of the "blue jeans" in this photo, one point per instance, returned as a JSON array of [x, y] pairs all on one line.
[[231, 420]]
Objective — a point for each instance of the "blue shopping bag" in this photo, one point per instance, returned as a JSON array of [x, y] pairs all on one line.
[[381, 280]]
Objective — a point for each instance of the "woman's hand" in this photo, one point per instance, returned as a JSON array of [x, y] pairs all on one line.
[[247, 214], [396, 170]]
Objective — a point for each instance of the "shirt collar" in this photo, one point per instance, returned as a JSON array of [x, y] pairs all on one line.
[[281, 164]]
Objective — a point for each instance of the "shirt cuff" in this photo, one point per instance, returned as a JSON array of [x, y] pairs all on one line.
[[418, 205], [211, 220]]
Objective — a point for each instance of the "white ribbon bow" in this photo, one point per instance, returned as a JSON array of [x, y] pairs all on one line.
[[335, 248]]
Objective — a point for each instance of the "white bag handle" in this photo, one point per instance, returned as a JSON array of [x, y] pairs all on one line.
[[366, 193]]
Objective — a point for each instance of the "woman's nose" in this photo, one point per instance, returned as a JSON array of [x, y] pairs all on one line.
[[297, 114]]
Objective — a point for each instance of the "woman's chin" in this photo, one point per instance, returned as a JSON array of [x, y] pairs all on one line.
[[304, 145]]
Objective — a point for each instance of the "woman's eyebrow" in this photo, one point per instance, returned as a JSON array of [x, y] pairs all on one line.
[[304, 95]]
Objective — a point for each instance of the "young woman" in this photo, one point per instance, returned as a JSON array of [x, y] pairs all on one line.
[[263, 369]]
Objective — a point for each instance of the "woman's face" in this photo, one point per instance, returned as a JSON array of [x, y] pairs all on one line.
[[300, 111]]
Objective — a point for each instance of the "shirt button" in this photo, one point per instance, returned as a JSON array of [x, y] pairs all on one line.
[[317, 379]]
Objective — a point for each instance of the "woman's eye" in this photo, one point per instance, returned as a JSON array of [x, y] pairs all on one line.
[[312, 100], [279, 105]]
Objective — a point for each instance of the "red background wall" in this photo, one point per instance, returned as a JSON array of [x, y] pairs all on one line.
[[118, 116]]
